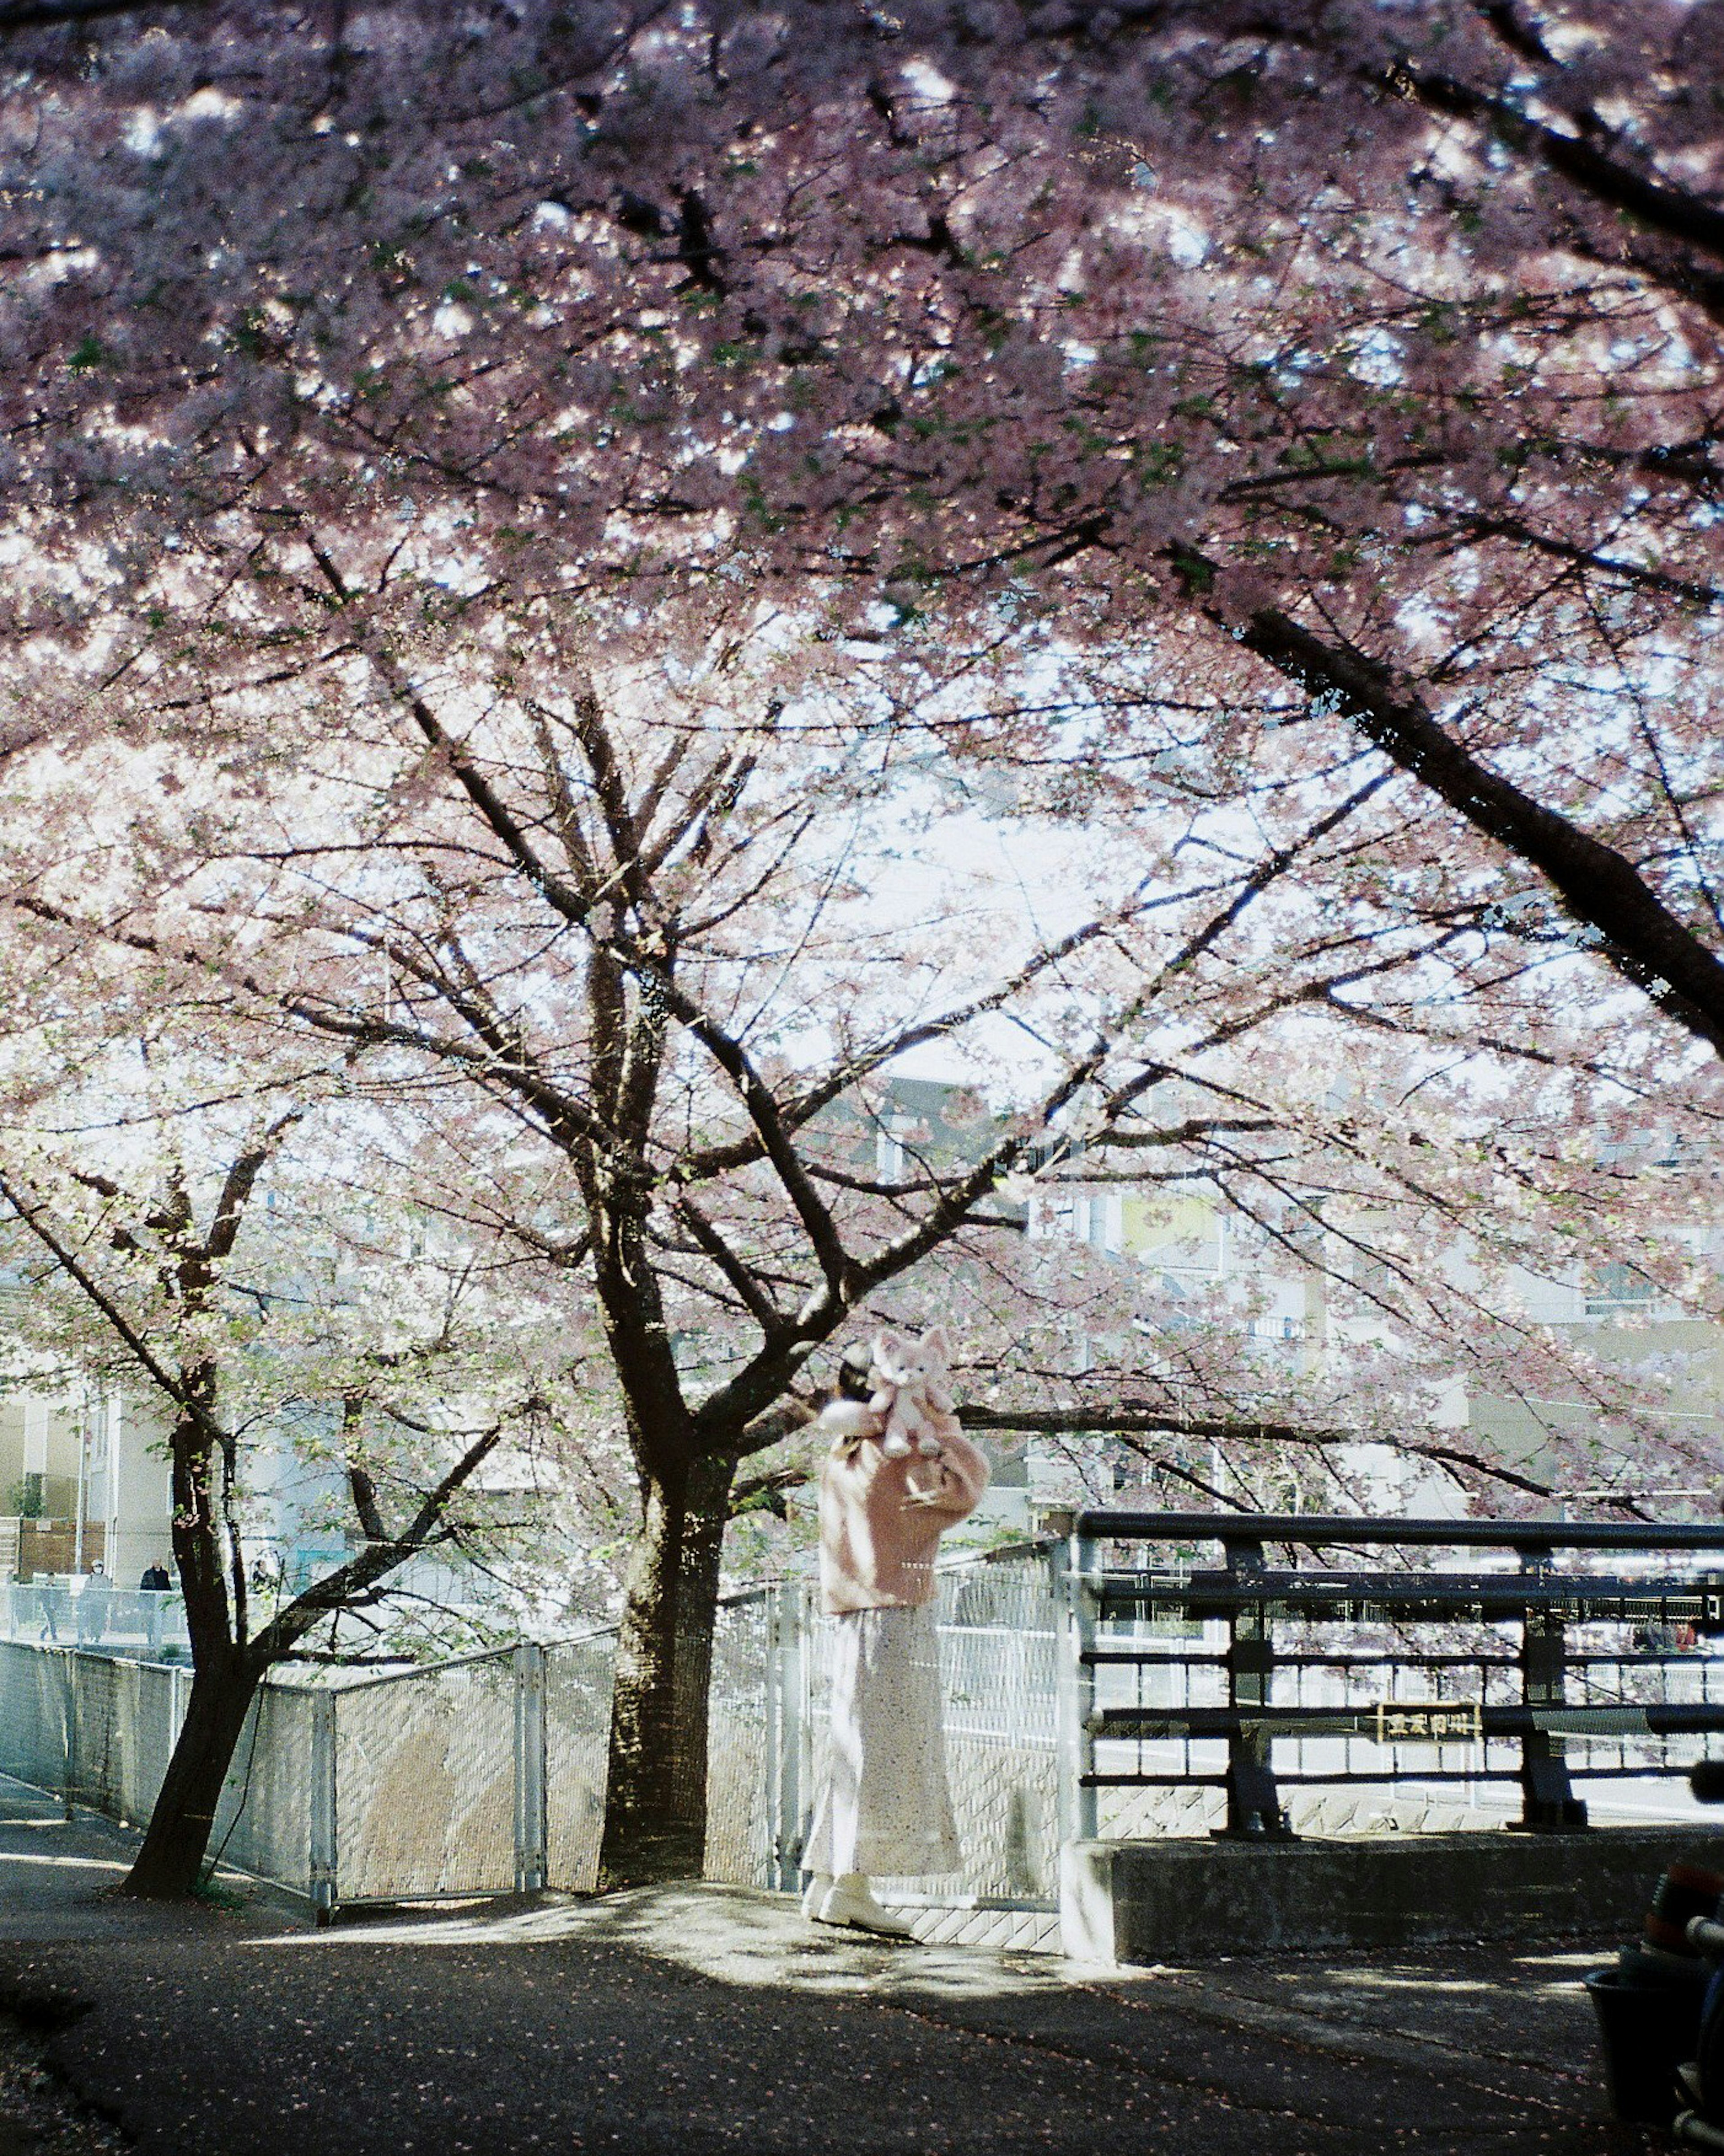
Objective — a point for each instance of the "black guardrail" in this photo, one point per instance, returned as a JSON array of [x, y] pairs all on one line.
[[1661, 1619], [1342, 1531]]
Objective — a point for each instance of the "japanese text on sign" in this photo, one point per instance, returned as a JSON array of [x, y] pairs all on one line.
[[1429, 1725]]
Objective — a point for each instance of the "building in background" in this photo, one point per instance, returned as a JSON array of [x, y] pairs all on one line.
[[1282, 1276], [83, 1480], [1283, 1281]]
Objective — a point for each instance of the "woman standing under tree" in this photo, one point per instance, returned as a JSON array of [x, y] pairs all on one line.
[[900, 1472]]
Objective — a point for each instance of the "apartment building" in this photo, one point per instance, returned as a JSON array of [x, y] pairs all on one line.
[[1193, 1246], [83, 1480]]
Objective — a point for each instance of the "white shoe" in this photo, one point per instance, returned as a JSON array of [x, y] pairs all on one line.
[[813, 1895], [855, 1909]]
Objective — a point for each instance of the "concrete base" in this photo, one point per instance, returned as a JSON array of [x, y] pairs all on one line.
[[1139, 1901]]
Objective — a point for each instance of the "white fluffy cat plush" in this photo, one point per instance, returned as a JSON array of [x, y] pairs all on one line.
[[911, 1391]]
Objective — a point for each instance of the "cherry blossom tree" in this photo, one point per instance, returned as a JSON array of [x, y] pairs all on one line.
[[648, 922], [576, 514], [330, 1339], [1384, 359], [643, 947]]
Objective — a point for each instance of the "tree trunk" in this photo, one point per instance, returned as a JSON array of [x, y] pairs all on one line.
[[655, 1804], [225, 1675], [167, 1866]]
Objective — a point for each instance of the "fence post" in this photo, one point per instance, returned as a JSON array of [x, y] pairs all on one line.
[[1548, 1803], [1074, 1682], [530, 1823], [68, 1674], [1253, 1802], [784, 1732], [325, 1844], [804, 1698], [155, 1601]]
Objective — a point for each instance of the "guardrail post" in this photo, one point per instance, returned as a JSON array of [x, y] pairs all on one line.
[[1253, 1803], [1074, 1682], [325, 1850], [1548, 1803], [785, 1720], [531, 1819]]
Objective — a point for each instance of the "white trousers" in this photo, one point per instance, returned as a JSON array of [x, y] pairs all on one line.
[[886, 1807]]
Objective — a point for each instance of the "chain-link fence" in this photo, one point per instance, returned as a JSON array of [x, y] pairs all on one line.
[[99, 1730], [739, 1827], [487, 1773], [126, 1715], [425, 1775], [997, 1622], [577, 1716], [37, 1716], [265, 1823]]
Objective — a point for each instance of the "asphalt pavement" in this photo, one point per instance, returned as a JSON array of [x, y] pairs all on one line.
[[680, 2020]]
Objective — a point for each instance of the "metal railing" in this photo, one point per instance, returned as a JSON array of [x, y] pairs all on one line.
[[116, 1621], [1176, 1674], [1122, 1681]]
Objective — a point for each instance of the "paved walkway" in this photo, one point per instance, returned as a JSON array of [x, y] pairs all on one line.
[[678, 2021]]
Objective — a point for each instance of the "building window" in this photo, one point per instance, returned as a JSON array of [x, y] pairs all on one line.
[[1618, 1288], [889, 1159]]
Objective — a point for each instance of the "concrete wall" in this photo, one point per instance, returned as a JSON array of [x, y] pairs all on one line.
[[1144, 1902], [39, 1436], [129, 1488]]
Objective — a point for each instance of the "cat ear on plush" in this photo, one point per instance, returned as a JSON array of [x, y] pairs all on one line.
[[889, 1351], [935, 1342]]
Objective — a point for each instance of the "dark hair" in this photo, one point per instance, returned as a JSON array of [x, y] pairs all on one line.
[[855, 1376]]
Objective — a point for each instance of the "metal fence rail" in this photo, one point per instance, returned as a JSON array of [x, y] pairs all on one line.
[[1253, 1678], [117, 1621]]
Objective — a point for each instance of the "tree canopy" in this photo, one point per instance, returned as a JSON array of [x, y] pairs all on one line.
[[1377, 347]]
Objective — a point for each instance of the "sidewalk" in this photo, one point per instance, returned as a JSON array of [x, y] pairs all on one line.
[[677, 2021]]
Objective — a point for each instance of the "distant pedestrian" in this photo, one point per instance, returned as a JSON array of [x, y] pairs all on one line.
[[155, 1580], [93, 1605]]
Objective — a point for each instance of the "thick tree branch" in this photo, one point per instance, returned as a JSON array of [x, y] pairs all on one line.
[[1635, 931], [1675, 213], [56, 14], [746, 1284], [1223, 1429]]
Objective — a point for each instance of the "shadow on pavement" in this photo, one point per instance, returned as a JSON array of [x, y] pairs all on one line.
[[693, 2019]]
